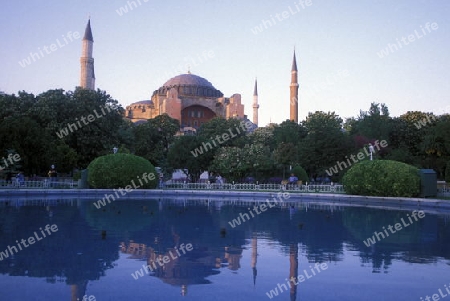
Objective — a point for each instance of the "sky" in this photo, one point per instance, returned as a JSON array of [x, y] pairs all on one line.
[[349, 53]]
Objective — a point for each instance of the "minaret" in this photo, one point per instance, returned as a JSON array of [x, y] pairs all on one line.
[[87, 76], [255, 103], [294, 92]]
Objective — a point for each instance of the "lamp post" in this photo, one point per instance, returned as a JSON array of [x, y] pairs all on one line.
[[371, 150]]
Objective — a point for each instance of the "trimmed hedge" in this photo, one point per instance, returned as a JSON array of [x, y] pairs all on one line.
[[121, 170], [382, 178], [300, 173]]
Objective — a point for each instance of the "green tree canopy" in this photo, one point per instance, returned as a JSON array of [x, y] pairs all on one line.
[[325, 143]]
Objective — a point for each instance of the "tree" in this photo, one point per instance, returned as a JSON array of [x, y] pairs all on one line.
[[289, 132], [325, 143], [286, 154], [99, 136], [152, 138], [229, 162], [29, 140], [181, 156], [216, 127], [264, 136], [373, 124], [436, 145], [236, 163]]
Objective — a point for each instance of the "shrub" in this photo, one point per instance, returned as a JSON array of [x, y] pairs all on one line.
[[382, 178], [300, 173], [121, 170]]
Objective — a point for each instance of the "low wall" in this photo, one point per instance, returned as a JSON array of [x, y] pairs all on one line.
[[217, 196]]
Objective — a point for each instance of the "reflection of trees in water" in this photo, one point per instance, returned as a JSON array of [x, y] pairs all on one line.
[[74, 254], [422, 241], [322, 231], [77, 253]]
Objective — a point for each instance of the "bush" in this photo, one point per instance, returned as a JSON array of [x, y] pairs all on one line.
[[121, 170], [300, 173], [382, 178]]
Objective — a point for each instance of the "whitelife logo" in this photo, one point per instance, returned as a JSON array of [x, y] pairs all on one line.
[[100, 203], [162, 260], [371, 240], [11, 250], [90, 118], [391, 48], [360, 156], [437, 297], [46, 50], [13, 158], [206, 146], [265, 24], [130, 6], [263, 207], [425, 121], [283, 287]]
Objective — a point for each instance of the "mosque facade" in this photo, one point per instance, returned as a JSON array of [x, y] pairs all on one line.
[[189, 98]]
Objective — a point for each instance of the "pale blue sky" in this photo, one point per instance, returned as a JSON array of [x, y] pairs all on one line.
[[336, 40]]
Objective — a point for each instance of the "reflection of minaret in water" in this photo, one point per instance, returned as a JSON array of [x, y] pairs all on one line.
[[78, 291], [293, 269], [254, 257]]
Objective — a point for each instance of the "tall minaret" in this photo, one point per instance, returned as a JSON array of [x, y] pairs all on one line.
[[255, 103], [294, 92], [87, 77]]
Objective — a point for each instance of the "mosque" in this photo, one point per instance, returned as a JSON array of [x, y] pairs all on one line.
[[189, 98]]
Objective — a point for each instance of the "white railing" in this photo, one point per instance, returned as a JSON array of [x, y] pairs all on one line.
[[444, 190], [256, 187], [42, 184]]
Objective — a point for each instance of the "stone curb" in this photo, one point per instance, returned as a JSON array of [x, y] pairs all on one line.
[[218, 195]]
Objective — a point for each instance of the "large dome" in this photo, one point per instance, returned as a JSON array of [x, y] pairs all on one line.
[[189, 85], [188, 80]]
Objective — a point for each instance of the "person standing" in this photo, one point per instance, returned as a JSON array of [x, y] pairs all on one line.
[[20, 178], [293, 179], [52, 174], [219, 179]]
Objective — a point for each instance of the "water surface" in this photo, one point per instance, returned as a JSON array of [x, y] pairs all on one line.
[[102, 253]]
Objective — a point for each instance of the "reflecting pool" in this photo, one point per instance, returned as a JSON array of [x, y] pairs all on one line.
[[218, 249]]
